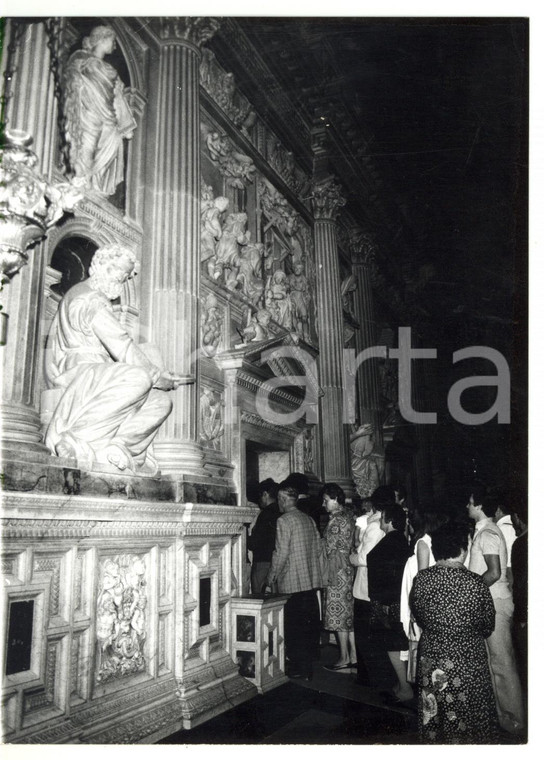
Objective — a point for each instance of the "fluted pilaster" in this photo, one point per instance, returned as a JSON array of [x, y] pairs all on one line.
[[326, 203], [173, 228], [368, 378], [32, 109]]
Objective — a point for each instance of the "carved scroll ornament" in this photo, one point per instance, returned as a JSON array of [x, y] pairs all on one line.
[[29, 204]]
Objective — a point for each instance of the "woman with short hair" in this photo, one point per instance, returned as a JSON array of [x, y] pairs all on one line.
[[338, 592], [454, 609]]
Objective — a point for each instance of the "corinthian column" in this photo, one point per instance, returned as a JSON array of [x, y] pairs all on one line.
[[31, 109], [172, 228], [326, 204], [368, 379]]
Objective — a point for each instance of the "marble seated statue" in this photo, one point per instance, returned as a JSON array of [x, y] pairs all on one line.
[[114, 396]]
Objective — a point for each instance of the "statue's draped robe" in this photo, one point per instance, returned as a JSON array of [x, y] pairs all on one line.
[[367, 465], [106, 381], [98, 118]]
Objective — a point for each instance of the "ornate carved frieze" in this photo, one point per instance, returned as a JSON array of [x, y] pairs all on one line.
[[208, 529], [22, 509], [245, 380], [327, 200], [110, 220], [256, 420], [100, 709], [221, 86], [138, 727]]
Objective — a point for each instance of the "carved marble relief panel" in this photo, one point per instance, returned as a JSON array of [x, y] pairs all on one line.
[[212, 425], [121, 621], [289, 269], [221, 86]]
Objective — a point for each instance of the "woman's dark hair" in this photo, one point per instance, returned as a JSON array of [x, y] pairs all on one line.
[[394, 514], [333, 491], [298, 481], [268, 486], [381, 496], [449, 540]]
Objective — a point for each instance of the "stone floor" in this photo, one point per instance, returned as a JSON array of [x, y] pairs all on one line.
[[330, 709]]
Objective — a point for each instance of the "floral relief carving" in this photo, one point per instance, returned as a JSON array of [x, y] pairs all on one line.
[[212, 325], [120, 617], [211, 418]]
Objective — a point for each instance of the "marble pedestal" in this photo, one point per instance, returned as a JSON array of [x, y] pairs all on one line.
[[258, 646], [29, 472], [117, 617]]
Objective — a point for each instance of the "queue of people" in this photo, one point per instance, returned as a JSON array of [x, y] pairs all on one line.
[[429, 605]]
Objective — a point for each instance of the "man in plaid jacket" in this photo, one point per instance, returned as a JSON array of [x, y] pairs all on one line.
[[296, 568]]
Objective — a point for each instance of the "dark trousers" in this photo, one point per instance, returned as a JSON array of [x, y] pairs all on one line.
[[373, 665], [259, 572], [301, 631], [519, 637]]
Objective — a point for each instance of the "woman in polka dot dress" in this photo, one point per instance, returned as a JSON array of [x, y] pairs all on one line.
[[455, 610]]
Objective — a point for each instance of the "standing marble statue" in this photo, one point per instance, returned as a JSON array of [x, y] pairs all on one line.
[[367, 460], [279, 299], [227, 258], [98, 116], [301, 298], [113, 396], [210, 227]]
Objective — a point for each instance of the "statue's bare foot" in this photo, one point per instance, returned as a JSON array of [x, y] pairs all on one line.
[[116, 456], [65, 449]]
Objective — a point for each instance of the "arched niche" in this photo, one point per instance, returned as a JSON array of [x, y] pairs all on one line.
[[70, 256], [124, 62]]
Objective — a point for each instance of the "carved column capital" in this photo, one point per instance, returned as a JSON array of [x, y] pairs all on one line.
[[362, 247], [327, 200], [195, 30]]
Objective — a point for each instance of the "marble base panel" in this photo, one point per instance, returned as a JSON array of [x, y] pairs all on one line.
[[28, 472], [128, 637]]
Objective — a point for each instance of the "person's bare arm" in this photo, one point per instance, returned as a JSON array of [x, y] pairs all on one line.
[[423, 555], [493, 572]]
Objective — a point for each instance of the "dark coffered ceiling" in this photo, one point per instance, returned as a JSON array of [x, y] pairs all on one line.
[[433, 115], [436, 111]]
